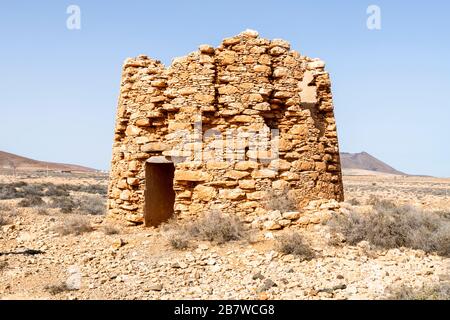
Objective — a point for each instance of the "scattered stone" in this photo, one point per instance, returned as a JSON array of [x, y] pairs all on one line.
[[268, 283], [272, 225], [118, 243], [258, 276], [154, 287]]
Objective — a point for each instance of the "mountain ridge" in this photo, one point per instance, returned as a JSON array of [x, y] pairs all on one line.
[[11, 162], [352, 163], [365, 161]]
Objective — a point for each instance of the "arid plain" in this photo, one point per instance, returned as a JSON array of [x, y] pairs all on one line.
[[56, 243]]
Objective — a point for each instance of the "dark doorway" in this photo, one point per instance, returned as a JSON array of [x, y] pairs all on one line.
[[159, 193]]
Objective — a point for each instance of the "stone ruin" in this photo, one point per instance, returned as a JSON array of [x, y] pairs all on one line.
[[223, 129]]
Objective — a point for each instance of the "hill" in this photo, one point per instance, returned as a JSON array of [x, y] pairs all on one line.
[[365, 164], [9, 161]]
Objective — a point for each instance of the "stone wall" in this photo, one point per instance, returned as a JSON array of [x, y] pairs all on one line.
[[238, 121]]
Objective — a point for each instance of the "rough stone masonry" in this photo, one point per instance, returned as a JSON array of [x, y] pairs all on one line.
[[236, 123]]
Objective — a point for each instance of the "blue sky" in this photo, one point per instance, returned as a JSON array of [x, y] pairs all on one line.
[[391, 87]]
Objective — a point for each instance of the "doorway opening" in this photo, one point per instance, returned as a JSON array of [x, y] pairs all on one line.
[[159, 193]]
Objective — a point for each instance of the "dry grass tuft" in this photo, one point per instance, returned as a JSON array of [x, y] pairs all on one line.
[[74, 225], [217, 227], [214, 227], [179, 240], [283, 200], [109, 229], [293, 243]]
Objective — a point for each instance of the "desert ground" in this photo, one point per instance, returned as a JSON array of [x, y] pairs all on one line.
[[56, 243]]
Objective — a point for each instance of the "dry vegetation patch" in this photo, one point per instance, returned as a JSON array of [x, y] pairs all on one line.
[[109, 229], [55, 289], [293, 243], [439, 291], [74, 225], [4, 220], [214, 227], [6, 212], [283, 200], [3, 265], [68, 198], [31, 202], [92, 205], [390, 226]]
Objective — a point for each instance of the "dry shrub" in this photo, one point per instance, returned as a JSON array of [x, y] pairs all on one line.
[[94, 205], [42, 211], [179, 240], [4, 220], [177, 234], [293, 243], [6, 213], [23, 190], [5, 207], [74, 225], [110, 229], [10, 190], [87, 204], [214, 227], [283, 200], [31, 202], [3, 265], [439, 291], [56, 191], [30, 190], [390, 226], [65, 204], [380, 203], [354, 202], [57, 288], [92, 188], [217, 227], [444, 214]]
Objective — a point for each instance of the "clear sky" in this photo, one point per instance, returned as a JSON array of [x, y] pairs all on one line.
[[391, 87]]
